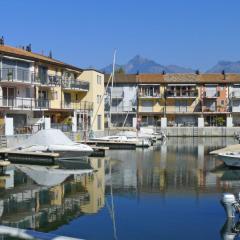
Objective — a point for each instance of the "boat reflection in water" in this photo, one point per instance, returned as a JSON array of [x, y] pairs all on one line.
[[161, 184], [43, 198]]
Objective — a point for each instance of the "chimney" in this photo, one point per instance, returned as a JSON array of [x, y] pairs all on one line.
[[50, 54], [2, 40], [29, 47]]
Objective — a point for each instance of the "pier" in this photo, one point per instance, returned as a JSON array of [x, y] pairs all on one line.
[[28, 157], [112, 144]]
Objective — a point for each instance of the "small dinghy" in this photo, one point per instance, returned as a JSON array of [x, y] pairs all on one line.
[[54, 140]]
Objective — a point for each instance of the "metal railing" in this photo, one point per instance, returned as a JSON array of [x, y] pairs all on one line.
[[83, 105], [16, 74], [235, 94], [184, 94], [24, 103], [75, 84], [27, 76], [62, 126], [208, 94], [147, 95]]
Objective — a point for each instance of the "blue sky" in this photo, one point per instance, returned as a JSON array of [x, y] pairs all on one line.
[[190, 33]]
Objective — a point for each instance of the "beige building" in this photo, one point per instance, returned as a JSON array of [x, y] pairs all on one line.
[[33, 87]]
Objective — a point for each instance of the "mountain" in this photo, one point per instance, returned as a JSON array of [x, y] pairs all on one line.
[[227, 66], [144, 65]]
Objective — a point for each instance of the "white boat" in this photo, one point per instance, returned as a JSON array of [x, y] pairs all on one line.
[[123, 138], [231, 159], [54, 140]]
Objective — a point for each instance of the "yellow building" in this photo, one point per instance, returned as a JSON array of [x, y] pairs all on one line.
[[34, 86]]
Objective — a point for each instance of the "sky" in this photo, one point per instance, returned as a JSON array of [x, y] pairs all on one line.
[[189, 33]]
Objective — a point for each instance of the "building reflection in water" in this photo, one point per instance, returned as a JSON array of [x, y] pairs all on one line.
[[182, 165], [26, 204]]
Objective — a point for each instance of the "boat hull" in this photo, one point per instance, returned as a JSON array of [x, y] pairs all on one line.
[[72, 155], [230, 160]]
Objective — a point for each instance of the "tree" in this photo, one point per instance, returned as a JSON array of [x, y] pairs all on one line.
[[120, 70]]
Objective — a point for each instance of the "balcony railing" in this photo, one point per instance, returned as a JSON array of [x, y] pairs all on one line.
[[48, 80], [117, 93], [16, 75], [182, 94], [75, 84], [83, 105], [24, 103], [147, 95], [235, 94], [209, 94]]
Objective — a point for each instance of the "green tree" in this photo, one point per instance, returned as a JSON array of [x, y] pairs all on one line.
[[120, 70]]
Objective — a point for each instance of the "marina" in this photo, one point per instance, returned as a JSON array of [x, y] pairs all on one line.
[[119, 120], [71, 198]]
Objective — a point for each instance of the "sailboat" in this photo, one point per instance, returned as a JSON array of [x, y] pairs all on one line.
[[143, 141]]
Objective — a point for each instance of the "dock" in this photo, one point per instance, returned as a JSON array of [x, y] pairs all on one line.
[[230, 148], [111, 144], [28, 157], [98, 151]]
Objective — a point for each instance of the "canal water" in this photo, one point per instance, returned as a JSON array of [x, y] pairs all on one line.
[[170, 191]]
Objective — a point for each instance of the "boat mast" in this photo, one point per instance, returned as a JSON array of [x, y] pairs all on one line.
[[113, 74]]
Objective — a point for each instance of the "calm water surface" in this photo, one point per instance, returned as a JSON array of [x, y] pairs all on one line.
[[170, 191]]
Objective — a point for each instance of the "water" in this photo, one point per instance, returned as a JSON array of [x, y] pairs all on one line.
[[171, 191]]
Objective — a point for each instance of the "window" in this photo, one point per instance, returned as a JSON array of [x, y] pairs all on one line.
[[28, 92], [98, 98], [99, 122], [99, 79]]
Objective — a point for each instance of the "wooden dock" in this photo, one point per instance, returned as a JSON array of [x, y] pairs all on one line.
[[111, 144], [99, 151], [28, 157]]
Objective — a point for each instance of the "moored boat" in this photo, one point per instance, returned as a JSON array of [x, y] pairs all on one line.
[[54, 140], [231, 159]]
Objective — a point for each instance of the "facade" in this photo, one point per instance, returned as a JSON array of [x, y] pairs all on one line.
[[33, 87], [182, 99], [124, 101]]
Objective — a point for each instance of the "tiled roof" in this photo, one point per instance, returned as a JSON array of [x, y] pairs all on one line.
[[121, 78], [175, 78], [20, 53]]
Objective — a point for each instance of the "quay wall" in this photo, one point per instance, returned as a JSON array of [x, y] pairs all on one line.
[[201, 132], [17, 140]]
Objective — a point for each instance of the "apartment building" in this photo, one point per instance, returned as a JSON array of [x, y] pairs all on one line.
[[33, 86], [185, 99], [123, 101]]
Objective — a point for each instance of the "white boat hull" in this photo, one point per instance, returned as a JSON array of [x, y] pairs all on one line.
[[230, 160]]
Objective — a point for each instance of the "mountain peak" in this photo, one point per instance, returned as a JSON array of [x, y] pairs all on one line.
[[144, 65]]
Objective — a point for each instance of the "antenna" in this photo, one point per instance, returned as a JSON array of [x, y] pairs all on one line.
[[113, 74]]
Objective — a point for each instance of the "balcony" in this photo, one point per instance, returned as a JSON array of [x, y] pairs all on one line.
[[24, 103], [235, 95], [182, 94], [83, 105], [148, 96], [48, 80], [77, 85], [211, 94], [117, 93], [16, 75]]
